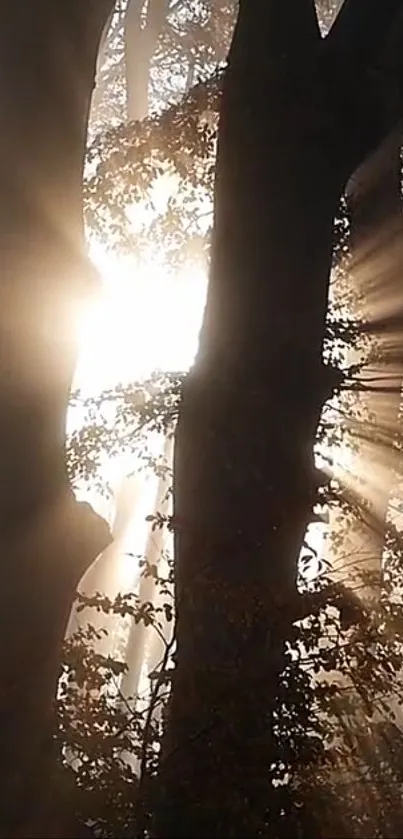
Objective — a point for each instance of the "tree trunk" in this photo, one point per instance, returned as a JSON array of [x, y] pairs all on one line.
[[142, 29], [245, 479], [47, 69]]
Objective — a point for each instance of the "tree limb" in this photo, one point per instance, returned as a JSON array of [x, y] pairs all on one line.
[[363, 63], [361, 27], [276, 29]]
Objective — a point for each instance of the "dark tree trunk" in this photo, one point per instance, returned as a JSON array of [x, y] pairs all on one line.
[[290, 136], [48, 51]]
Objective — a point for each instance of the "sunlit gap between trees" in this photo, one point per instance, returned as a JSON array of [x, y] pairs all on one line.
[[145, 319]]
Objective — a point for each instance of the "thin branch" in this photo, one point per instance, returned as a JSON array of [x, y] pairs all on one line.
[[143, 776]]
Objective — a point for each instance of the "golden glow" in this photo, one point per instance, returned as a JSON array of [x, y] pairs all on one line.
[[145, 319]]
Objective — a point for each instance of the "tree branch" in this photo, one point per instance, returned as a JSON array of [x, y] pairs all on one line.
[[363, 60], [361, 27], [274, 30]]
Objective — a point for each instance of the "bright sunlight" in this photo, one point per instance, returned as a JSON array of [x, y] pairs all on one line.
[[144, 320]]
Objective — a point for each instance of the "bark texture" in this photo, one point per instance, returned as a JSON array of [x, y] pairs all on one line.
[[48, 53], [291, 134]]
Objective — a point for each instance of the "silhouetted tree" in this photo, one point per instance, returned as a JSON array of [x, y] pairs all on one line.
[[47, 70], [298, 115]]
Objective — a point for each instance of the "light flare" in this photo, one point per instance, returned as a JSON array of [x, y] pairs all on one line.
[[144, 320]]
